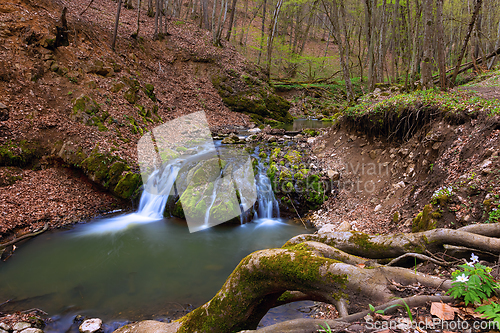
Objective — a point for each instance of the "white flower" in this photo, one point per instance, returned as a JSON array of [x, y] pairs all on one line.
[[470, 264], [462, 278], [474, 258]]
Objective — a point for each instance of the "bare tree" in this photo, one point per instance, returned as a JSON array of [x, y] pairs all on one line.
[[117, 19]]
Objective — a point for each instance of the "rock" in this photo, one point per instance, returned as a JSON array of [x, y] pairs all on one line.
[[425, 163], [326, 229], [21, 326], [4, 326], [3, 331], [311, 140], [100, 69], [373, 154], [377, 208], [404, 151], [436, 145], [485, 164], [232, 139], [399, 185], [298, 136], [333, 175], [344, 226], [91, 325], [254, 130], [272, 138], [410, 169], [32, 330], [4, 112]]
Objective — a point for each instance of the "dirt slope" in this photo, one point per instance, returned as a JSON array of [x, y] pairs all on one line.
[[83, 105]]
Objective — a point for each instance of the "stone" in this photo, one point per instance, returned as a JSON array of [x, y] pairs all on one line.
[[425, 163], [3, 331], [404, 151], [344, 226], [373, 154], [231, 139], [90, 325], [485, 164], [377, 208], [326, 229], [32, 330], [436, 145], [333, 175], [311, 140], [4, 112], [410, 169], [254, 130], [298, 136], [21, 326], [4, 326]]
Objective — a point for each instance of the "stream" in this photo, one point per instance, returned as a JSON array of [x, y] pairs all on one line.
[[139, 265]]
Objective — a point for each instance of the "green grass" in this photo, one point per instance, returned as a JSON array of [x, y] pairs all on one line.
[[448, 102]]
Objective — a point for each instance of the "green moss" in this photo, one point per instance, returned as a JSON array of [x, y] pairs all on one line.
[[293, 157], [424, 220], [262, 154], [131, 95], [364, 243], [310, 132], [149, 91], [18, 154], [127, 185], [85, 104], [117, 87]]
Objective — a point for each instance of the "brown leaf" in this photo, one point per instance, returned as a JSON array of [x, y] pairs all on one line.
[[443, 311]]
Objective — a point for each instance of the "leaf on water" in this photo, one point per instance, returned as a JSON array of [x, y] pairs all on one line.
[[443, 311]]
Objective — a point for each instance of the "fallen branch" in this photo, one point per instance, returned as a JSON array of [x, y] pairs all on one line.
[[4, 245]]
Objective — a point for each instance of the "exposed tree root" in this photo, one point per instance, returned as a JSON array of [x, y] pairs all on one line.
[[327, 268], [32, 234]]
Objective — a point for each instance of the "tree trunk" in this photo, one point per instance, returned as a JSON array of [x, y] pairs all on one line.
[[426, 79], [263, 26], [441, 57], [324, 267], [466, 41], [231, 20], [151, 11], [497, 45], [117, 19]]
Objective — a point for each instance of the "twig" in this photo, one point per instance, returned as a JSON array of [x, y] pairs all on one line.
[[7, 301], [91, 1], [418, 256], [35, 310], [288, 195]]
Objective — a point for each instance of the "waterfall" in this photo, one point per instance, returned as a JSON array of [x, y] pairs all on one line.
[[268, 207], [160, 186]]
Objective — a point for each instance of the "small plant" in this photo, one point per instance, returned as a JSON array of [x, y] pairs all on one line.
[[473, 282], [327, 329], [431, 166], [441, 195], [494, 216], [491, 311], [404, 305]]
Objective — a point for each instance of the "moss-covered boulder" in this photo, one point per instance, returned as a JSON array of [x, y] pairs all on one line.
[[19, 153], [253, 96], [87, 111]]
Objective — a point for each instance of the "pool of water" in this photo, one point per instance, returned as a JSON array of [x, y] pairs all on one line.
[[300, 124], [145, 270]]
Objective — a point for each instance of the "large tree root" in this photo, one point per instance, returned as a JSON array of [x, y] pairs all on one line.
[[327, 268]]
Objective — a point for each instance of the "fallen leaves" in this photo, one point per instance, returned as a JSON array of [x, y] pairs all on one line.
[[443, 311]]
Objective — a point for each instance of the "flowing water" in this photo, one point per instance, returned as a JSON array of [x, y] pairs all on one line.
[[138, 265]]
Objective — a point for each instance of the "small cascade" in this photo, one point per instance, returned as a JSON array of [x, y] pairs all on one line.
[[160, 186], [268, 207]]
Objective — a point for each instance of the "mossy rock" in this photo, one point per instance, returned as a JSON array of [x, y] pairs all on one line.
[[117, 87], [127, 185], [149, 91], [131, 95], [293, 157], [259, 101], [18, 154], [424, 220], [84, 108]]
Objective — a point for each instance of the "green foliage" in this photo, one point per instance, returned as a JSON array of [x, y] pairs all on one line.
[[441, 195], [473, 282], [491, 311], [494, 216], [328, 329], [447, 102]]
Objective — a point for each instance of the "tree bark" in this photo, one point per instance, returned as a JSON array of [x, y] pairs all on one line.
[[231, 20], [441, 57], [117, 19], [426, 79]]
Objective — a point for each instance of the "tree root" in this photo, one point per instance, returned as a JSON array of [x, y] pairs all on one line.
[[328, 268], [418, 256]]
